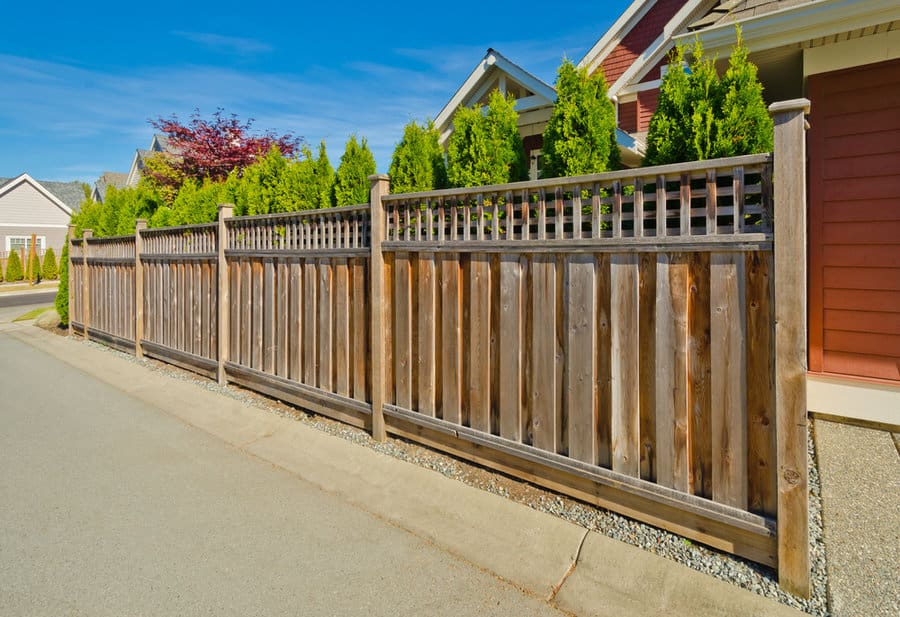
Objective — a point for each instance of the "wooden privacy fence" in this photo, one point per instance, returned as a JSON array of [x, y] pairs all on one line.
[[635, 339]]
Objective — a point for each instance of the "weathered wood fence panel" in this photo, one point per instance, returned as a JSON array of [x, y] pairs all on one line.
[[610, 336], [587, 320], [299, 308], [180, 299]]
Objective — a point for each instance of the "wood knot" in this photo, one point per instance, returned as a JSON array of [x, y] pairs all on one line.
[[791, 476]]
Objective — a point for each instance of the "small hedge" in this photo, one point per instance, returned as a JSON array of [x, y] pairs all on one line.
[[34, 269], [14, 268], [49, 270], [62, 294]]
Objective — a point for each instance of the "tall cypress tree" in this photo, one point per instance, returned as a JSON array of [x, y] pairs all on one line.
[[351, 182], [324, 174], [745, 126], [580, 137], [418, 160], [705, 95], [669, 137]]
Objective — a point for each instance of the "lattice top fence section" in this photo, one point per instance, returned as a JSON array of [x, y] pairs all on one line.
[[723, 197], [184, 240], [341, 228], [110, 247]]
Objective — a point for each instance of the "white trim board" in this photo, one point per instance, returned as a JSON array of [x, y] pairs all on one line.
[[854, 400]]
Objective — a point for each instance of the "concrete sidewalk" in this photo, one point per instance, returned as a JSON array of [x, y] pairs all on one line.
[[859, 470], [533, 551]]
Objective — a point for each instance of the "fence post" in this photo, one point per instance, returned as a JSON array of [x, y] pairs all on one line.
[[69, 237], [85, 283], [789, 173], [139, 225], [225, 211], [380, 186]]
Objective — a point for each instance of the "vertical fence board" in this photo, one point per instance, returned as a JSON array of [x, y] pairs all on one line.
[[268, 316], [451, 331], [604, 361], [478, 343], [326, 326], [310, 338], [427, 340], [246, 308], [581, 313], [729, 379], [295, 323], [762, 481], [510, 351], [649, 350], [542, 395], [403, 330], [341, 327], [257, 340], [625, 365], [700, 377], [360, 331]]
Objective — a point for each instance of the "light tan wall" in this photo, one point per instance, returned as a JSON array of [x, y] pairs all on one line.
[[25, 205]]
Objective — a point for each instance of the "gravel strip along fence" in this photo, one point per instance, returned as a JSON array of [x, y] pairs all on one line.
[[746, 574]]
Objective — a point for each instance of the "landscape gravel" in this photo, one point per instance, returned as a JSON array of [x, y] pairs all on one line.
[[735, 570]]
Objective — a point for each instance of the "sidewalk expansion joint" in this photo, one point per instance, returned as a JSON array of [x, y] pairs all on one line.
[[555, 590]]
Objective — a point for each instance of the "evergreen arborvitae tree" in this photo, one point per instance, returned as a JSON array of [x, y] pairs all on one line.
[[700, 116], [351, 182], [669, 137], [49, 269], [580, 137], [486, 148], [418, 160], [62, 292], [14, 267], [746, 126], [324, 176], [706, 104]]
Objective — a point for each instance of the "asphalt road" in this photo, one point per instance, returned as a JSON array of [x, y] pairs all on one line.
[[37, 298], [110, 507]]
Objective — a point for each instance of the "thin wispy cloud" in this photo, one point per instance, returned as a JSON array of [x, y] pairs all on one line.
[[226, 44], [67, 107]]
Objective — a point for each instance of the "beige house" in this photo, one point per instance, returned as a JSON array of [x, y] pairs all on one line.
[[41, 208]]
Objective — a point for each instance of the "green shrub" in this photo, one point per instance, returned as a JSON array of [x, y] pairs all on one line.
[[14, 268], [486, 148], [351, 182], [50, 269], [701, 116], [62, 294], [418, 160], [580, 137]]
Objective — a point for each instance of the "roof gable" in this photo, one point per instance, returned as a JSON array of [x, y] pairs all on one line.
[[492, 72], [64, 188]]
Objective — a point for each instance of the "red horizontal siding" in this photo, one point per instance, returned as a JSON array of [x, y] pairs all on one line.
[[861, 365], [886, 279], [854, 252], [647, 102], [639, 38], [888, 232], [871, 210], [862, 321]]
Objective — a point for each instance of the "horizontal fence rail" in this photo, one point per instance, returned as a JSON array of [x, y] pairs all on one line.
[[612, 336]]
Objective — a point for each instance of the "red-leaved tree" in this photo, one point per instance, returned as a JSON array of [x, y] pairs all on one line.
[[213, 148]]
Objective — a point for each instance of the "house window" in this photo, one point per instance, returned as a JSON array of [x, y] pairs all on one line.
[[535, 164], [14, 243]]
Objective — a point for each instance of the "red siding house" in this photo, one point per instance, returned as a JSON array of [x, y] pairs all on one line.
[[844, 56]]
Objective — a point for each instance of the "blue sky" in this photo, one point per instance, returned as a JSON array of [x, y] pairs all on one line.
[[81, 79]]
